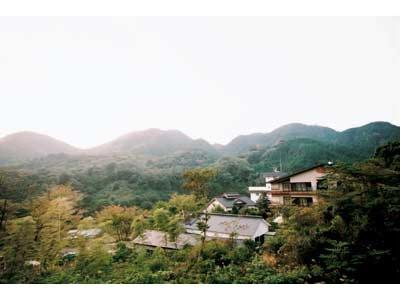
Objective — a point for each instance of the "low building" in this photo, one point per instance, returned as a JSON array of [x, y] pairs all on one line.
[[240, 228], [257, 191], [228, 201], [299, 188], [158, 239]]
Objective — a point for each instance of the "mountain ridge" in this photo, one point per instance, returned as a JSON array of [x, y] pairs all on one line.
[[26, 145]]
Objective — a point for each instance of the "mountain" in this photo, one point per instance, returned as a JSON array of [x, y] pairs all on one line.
[[364, 139], [28, 145], [152, 142], [300, 153], [170, 144], [243, 143], [367, 138]]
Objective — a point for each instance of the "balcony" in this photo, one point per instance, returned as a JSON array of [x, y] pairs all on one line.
[[298, 188]]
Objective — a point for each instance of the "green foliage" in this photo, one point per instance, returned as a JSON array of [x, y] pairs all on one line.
[[350, 237], [353, 236], [197, 182], [119, 221]]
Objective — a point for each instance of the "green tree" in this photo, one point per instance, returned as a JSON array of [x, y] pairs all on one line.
[[118, 221], [262, 204], [198, 181]]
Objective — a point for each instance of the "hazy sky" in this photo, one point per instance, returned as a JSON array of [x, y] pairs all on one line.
[[87, 80]]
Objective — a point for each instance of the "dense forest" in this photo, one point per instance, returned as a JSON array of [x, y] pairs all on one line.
[[142, 168], [350, 237]]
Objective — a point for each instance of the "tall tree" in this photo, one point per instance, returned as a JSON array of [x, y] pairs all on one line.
[[118, 221], [197, 181]]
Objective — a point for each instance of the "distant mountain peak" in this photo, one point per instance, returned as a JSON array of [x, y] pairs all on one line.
[[26, 145], [298, 130], [153, 141]]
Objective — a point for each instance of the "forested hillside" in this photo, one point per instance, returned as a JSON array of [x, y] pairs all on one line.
[[362, 140], [144, 167], [350, 237]]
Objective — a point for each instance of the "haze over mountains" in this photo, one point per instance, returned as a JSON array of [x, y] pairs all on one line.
[[362, 141], [152, 142]]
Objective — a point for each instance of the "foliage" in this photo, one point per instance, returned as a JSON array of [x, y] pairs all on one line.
[[197, 182], [118, 221], [353, 235]]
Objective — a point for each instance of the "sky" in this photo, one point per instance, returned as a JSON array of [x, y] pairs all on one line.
[[88, 80]]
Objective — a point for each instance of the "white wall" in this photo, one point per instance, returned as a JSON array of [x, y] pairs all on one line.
[[309, 176], [254, 196]]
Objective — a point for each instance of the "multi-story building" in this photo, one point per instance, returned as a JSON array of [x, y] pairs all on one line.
[[298, 188]]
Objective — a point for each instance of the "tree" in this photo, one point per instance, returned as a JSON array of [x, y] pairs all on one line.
[[352, 236], [197, 181], [139, 225], [186, 205], [202, 225], [161, 219], [54, 214], [262, 204], [118, 221], [13, 188], [175, 228], [19, 247], [39, 211]]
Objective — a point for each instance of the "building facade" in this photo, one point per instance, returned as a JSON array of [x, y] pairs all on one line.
[[299, 188], [257, 191]]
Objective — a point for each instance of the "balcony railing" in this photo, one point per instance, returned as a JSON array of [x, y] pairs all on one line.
[[301, 189]]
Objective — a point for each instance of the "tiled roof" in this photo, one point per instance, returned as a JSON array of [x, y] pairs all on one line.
[[281, 179], [154, 238], [273, 174], [229, 203], [226, 224]]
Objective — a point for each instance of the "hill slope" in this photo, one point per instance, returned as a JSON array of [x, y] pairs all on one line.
[[28, 145], [367, 138], [364, 139], [152, 142], [290, 131], [300, 153]]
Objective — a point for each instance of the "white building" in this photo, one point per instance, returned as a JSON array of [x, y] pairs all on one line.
[[299, 188], [257, 191]]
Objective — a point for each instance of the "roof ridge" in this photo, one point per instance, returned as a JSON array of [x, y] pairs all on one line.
[[234, 215], [298, 172]]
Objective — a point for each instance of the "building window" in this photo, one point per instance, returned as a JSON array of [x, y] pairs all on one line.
[[286, 187], [301, 187]]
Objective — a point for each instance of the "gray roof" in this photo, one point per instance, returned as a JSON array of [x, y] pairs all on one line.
[[274, 174], [229, 203], [87, 233], [223, 223], [287, 177], [154, 238]]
